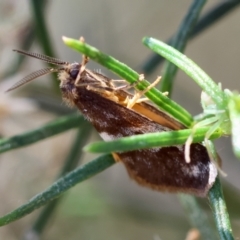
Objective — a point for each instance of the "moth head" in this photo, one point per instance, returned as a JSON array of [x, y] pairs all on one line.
[[69, 74]]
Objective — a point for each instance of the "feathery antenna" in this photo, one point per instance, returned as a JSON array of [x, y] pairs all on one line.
[[42, 57], [40, 72], [33, 76]]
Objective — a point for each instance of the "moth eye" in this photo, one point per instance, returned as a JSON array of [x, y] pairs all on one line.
[[74, 73]]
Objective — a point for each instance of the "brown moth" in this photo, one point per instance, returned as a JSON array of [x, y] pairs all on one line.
[[107, 108]]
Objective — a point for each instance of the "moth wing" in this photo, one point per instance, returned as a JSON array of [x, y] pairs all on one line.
[[162, 168]]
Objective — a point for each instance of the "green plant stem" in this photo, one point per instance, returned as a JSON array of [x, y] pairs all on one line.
[[41, 27], [190, 68], [125, 72], [179, 42], [149, 140], [220, 212], [197, 216], [234, 114], [42, 32], [73, 158], [58, 126], [59, 187]]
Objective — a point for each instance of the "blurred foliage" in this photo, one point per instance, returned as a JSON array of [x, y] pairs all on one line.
[[85, 210]]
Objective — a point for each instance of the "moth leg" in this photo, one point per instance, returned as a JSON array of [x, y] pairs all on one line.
[[189, 141], [81, 39], [207, 142], [188, 144], [128, 86], [119, 80], [85, 60], [138, 94], [104, 91], [132, 85]]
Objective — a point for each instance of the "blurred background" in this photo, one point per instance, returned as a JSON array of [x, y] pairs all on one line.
[[109, 205]]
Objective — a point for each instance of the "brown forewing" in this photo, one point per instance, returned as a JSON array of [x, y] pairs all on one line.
[[162, 168]]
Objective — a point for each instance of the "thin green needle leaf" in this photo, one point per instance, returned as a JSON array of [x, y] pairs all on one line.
[[218, 204], [73, 159], [234, 112], [197, 216], [190, 68], [220, 212], [150, 140], [121, 69], [41, 30], [58, 126], [179, 42], [59, 187]]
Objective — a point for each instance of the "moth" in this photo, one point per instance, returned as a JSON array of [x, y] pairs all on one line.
[[106, 106]]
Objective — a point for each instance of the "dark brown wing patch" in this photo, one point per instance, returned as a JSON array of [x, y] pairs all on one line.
[[162, 168]]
